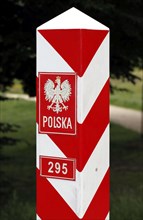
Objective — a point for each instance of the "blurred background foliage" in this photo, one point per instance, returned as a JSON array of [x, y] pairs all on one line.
[[19, 19]]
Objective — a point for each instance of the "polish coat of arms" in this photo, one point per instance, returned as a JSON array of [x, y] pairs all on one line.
[[57, 93]]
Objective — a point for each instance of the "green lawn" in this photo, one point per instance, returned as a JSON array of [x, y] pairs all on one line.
[[17, 166], [126, 174], [127, 94]]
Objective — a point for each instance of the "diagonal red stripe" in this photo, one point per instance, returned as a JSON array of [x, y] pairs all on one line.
[[89, 133], [100, 204], [76, 46], [50, 205]]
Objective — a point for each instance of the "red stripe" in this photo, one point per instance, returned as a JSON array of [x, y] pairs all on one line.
[[51, 206], [76, 46], [100, 204], [89, 133]]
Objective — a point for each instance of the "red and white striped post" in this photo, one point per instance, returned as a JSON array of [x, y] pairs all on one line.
[[72, 118]]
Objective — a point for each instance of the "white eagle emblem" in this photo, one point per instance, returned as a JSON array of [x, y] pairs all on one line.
[[57, 94]]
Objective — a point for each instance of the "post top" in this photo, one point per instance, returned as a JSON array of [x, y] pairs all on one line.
[[73, 19]]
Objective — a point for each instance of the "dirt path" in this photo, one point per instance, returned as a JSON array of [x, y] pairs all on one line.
[[128, 118], [19, 96]]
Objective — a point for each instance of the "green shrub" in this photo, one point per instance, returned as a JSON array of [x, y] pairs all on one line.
[[15, 209]]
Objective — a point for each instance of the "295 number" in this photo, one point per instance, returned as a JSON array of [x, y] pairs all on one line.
[[57, 168]]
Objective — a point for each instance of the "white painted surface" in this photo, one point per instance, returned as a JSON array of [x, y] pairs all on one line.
[[38, 218], [73, 19], [93, 80], [108, 217]]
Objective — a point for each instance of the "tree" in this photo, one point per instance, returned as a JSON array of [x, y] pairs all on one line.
[[19, 19]]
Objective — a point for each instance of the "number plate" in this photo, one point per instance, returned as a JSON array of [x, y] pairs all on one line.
[[55, 167]]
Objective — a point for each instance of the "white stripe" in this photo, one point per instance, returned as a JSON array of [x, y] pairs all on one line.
[[48, 60], [68, 190], [89, 85], [79, 194], [108, 217], [46, 147], [38, 218], [94, 171], [93, 80]]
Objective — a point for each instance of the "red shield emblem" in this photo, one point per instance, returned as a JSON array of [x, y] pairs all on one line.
[[57, 103]]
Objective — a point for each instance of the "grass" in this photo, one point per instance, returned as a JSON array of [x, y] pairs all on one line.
[[126, 206], [17, 166], [127, 94], [17, 159], [126, 174]]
